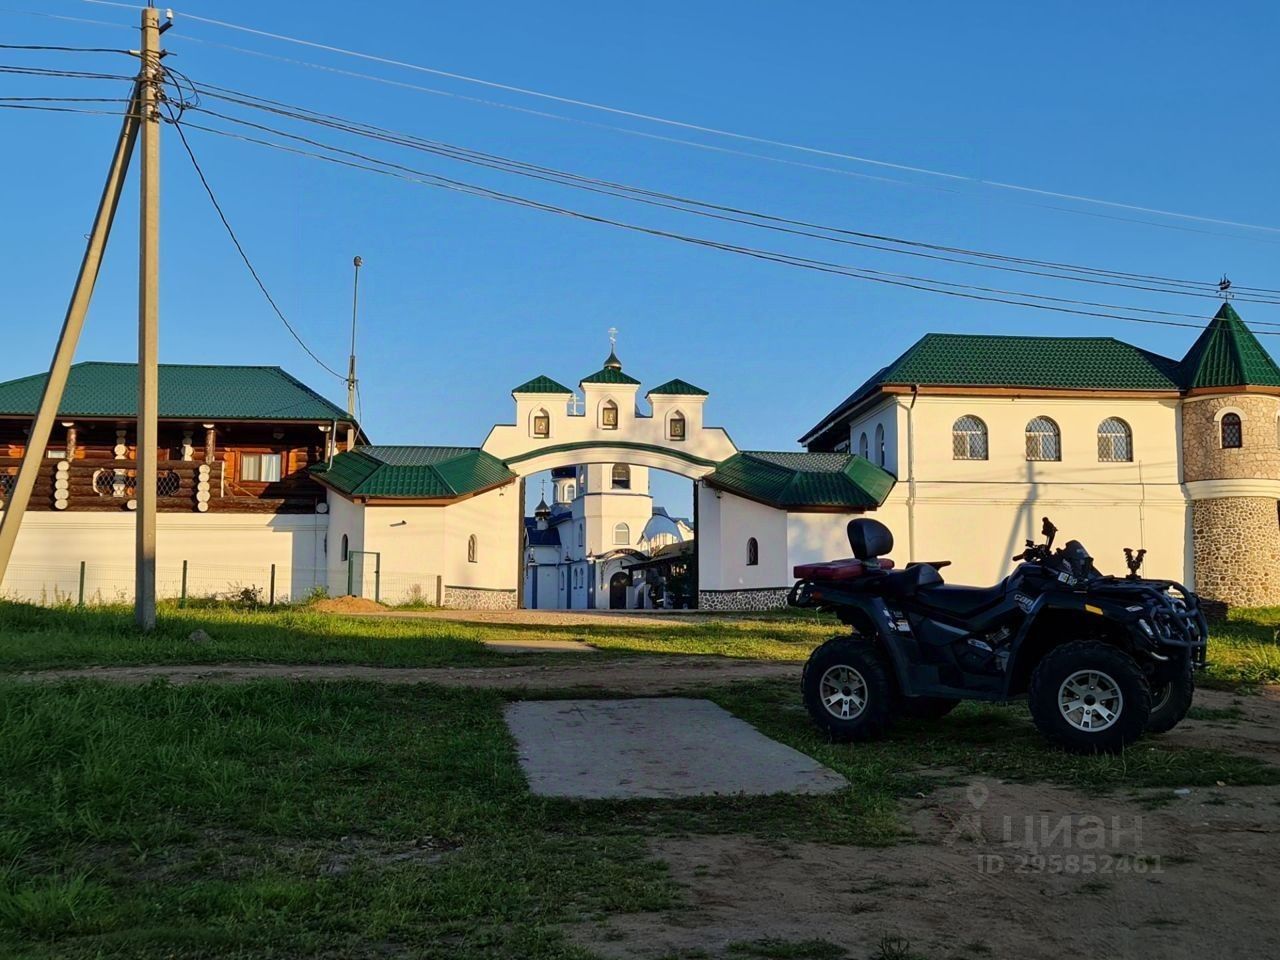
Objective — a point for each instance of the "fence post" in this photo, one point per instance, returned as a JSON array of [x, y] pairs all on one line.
[[377, 577], [439, 590], [182, 599], [272, 598], [350, 572], [80, 602]]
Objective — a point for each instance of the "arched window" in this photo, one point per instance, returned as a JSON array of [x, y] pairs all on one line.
[[472, 549], [880, 444], [541, 424], [581, 535], [864, 448], [675, 426], [969, 439], [609, 415], [1115, 441], [344, 548], [621, 476], [753, 552], [621, 535], [1232, 433], [569, 491], [1044, 442]]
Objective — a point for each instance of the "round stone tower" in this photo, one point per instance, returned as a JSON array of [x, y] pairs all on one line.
[[1231, 463]]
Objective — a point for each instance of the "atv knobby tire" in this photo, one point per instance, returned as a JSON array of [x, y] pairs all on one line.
[[1171, 701], [848, 689], [1090, 675]]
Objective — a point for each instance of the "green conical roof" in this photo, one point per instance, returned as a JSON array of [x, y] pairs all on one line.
[[1227, 354]]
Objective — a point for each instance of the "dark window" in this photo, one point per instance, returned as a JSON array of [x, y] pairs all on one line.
[[753, 552], [1232, 434], [621, 476], [344, 547]]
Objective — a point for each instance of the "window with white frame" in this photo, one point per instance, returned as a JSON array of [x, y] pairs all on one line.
[[1232, 431], [621, 535], [969, 439], [261, 467], [1044, 441], [1115, 441]]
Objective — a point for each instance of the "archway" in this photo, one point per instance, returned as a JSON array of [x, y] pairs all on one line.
[[618, 591]]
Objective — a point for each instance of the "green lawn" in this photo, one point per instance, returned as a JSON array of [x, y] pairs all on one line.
[[276, 819], [1244, 649]]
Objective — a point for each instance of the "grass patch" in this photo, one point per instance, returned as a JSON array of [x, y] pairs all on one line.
[[33, 637], [1244, 648]]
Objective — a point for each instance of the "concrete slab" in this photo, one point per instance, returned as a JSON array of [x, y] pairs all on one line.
[[539, 646], [659, 747]]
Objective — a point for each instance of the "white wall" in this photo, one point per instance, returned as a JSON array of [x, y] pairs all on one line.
[[726, 522], [225, 553]]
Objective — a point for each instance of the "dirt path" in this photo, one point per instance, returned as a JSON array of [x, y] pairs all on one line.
[[1184, 881], [639, 676], [557, 618]]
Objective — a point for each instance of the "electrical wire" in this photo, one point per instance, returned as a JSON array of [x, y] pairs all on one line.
[[653, 118], [33, 46], [374, 165], [240, 250], [737, 215]]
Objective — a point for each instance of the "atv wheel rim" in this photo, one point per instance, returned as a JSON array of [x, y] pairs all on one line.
[[1160, 697], [844, 692], [1090, 700]]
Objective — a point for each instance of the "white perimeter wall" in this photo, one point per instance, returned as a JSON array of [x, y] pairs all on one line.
[[225, 553]]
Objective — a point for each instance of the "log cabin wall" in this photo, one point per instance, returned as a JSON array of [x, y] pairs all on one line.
[[99, 475]]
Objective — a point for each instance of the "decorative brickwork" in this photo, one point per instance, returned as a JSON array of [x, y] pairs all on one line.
[[1258, 457], [1237, 550], [473, 598], [768, 598]]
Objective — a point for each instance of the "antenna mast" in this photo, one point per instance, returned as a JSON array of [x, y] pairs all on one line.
[[358, 262]]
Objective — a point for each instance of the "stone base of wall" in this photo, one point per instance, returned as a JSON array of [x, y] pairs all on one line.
[[474, 598], [764, 598], [1237, 551]]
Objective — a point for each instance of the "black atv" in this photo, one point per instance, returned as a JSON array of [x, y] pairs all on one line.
[[1101, 659]]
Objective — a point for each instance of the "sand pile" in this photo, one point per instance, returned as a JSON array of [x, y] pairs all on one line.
[[347, 604]]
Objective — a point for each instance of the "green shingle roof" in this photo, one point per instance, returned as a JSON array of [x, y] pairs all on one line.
[[427, 473], [541, 384], [798, 480], [187, 392], [609, 375], [1227, 354], [981, 360], [677, 388]]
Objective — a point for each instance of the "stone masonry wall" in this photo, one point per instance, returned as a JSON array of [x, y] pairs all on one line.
[[470, 598], [768, 598], [1202, 453], [1237, 550]]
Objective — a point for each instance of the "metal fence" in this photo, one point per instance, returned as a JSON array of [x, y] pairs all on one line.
[[93, 583]]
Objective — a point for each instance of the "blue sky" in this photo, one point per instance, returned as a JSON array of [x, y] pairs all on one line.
[[463, 298]]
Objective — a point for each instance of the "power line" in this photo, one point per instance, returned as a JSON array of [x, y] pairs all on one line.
[[873, 241], [33, 46], [398, 171], [526, 91], [244, 256]]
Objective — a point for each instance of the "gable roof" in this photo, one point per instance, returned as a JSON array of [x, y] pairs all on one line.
[[985, 360], [609, 375], [549, 537], [798, 480], [187, 392], [420, 473], [541, 384], [1227, 354], [677, 388]]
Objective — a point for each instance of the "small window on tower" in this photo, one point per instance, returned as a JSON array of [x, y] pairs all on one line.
[[609, 415], [1232, 432], [675, 427], [621, 476]]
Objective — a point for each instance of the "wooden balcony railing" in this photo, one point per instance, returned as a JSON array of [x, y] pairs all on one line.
[[181, 486]]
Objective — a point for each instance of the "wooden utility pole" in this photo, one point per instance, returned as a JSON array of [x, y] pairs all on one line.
[[64, 353], [150, 93], [358, 262]]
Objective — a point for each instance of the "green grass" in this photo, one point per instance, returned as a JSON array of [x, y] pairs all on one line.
[[33, 637], [278, 819], [1244, 648]]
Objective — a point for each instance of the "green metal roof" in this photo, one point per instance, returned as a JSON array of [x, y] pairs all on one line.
[[677, 388], [609, 375], [982, 360], [1227, 354], [799, 480], [428, 473], [541, 384], [187, 392]]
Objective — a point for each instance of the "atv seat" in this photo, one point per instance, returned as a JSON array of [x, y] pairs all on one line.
[[836, 570], [960, 600]]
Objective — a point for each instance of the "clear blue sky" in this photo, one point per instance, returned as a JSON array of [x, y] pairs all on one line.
[[1168, 107]]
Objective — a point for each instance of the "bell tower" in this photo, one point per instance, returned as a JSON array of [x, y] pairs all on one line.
[[1231, 463]]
